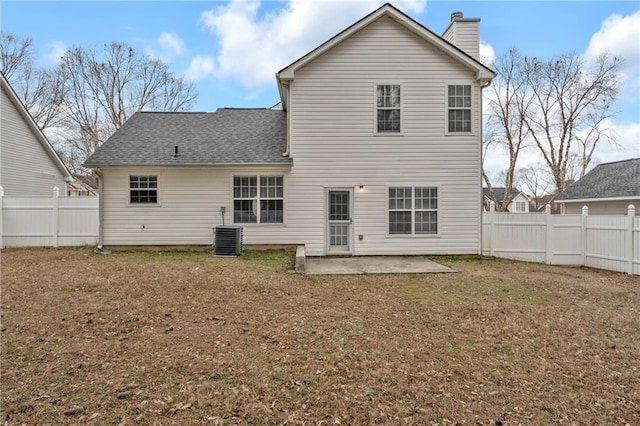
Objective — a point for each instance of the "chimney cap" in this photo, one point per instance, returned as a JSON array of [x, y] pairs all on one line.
[[456, 15]]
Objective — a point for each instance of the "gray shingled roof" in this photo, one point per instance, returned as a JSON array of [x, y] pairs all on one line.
[[499, 191], [607, 180], [228, 136]]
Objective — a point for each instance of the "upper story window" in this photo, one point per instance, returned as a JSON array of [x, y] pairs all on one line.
[[258, 199], [143, 189], [388, 108], [459, 108]]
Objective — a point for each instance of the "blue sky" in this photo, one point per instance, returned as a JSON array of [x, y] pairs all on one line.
[[232, 50]]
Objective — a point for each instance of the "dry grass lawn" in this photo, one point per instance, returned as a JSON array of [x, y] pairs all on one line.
[[186, 338]]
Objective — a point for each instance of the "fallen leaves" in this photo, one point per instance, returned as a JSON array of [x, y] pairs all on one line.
[[239, 342]]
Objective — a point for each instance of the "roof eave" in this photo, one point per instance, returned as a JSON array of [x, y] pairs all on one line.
[[287, 164]]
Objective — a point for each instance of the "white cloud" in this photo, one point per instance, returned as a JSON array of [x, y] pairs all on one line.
[[171, 41], [487, 54], [200, 67], [58, 49], [619, 36], [627, 144], [252, 48]]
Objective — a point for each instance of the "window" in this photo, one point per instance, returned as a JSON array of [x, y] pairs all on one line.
[[258, 199], [520, 207], [413, 210], [143, 189], [388, 108], [459, 108]]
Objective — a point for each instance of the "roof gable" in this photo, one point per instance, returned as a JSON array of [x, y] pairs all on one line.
[[31, 124], [482, 72], [620, 179]]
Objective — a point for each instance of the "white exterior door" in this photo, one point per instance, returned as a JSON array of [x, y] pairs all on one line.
[[339, 221]]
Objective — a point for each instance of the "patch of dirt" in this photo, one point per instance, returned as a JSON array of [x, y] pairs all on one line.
[[187, 338]]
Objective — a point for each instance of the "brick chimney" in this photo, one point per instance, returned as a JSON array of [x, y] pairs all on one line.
[[464, 33]]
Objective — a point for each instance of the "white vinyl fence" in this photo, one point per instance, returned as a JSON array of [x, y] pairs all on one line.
[[48, 221], [604, 242]]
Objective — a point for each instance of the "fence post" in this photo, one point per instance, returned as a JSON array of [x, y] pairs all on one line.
[[631, 212], [585, 213], [549, 246], [55, 219], [1, 217], [492, 234]]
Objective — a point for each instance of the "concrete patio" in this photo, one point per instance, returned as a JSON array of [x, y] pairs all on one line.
[[372, 265]]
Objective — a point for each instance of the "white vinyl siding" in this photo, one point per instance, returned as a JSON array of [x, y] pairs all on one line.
[[332, 101], [26, 169], [191, 200], [331, 111], [465, 36], [612, 207]]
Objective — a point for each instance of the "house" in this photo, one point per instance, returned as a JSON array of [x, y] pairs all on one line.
[[83, 186], [29, 166], [520, 202], [548, 199], [374, 149], [608, 189], [542, 202]]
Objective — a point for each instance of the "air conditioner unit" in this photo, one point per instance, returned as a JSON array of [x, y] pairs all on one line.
[[228, 241]]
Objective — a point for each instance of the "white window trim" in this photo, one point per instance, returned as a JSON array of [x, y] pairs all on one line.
[[413, 210], [258, 223], [524, 207], [446, 108], [144, 205], [375, 108]]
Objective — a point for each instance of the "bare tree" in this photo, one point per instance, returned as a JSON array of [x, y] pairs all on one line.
[[103, 89], [536, 181], [40, 90], [570, 97], [509, 99]]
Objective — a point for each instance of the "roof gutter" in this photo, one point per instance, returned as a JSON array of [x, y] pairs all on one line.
[[591, 200], [97, 166]]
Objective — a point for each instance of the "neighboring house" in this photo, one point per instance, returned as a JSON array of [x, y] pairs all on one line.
[[83, 186], [375, 150], [608, 189], [520, 202], [550, 199], [29, 166]]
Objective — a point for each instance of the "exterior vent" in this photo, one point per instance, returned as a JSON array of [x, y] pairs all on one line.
[[228, 240]]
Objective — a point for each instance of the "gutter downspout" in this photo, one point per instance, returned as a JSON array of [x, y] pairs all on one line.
[[286, 106], [100, 208], [481, 195]]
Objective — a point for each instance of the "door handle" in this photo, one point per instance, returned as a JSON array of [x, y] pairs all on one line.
[[350, 221]]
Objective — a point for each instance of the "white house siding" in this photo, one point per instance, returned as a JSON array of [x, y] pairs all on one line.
[[25, 167], [465, 35], [189, 207], [333, 146], [603, 207], [332, 113]]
